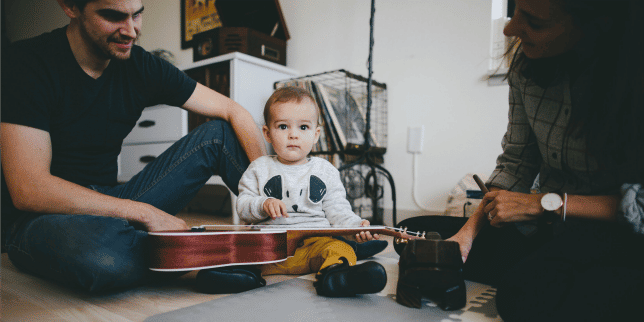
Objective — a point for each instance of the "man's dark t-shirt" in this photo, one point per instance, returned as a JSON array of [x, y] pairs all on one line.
[[44, 87]]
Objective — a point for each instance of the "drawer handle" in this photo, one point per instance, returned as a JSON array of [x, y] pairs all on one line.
[[147, 158], [146, 123]]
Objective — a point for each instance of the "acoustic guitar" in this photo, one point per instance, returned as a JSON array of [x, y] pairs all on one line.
[[210, 246]]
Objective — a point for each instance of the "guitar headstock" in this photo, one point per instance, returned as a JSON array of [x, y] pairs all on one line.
[[402, 235]]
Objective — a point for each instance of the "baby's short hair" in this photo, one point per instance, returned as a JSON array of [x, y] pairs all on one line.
[[288, 94]]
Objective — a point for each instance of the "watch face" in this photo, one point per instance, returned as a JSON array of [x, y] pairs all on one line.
[[551, 201]]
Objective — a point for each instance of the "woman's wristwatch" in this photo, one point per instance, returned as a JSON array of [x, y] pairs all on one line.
[[551, 202]]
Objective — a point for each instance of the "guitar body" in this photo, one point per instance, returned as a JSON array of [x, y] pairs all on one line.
[[235, 245], [184, 251]]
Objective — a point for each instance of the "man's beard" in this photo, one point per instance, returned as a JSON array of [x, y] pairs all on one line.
[[104, 47]]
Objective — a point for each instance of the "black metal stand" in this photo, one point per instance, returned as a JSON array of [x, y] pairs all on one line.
[[374, 191]]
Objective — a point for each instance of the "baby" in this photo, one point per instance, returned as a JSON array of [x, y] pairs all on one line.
[[295, 190]]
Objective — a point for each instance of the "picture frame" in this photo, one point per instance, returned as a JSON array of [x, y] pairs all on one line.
[[197, 17]]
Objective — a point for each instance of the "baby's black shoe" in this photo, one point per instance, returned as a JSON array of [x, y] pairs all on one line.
[[230, 279], [342, 280]]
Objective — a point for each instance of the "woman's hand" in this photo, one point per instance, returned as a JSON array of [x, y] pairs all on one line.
[[464, 240], [504, 207], [364, 236], [467, 233]]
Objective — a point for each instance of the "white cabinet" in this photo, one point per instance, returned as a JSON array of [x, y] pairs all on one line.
[[161, 123], [247, 80], [156, 130]]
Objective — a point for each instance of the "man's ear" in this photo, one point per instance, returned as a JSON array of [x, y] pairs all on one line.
[[266, 136], [71, 10]]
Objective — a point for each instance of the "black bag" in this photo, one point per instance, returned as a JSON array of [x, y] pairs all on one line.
[[431, 268], [443, 226]]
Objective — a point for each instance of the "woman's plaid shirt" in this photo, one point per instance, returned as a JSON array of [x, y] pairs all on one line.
[[537, 142]]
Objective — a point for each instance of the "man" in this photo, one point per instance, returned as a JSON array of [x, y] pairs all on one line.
[[69, 98]]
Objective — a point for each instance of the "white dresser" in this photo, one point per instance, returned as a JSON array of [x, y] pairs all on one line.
[[248, 80]]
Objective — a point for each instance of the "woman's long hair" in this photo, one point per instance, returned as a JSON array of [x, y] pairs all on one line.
[[611, 112]]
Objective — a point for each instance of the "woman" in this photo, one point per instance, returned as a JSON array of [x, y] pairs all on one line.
[[573, 250]]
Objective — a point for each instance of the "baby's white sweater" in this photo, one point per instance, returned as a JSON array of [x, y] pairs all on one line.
[[313, 194]]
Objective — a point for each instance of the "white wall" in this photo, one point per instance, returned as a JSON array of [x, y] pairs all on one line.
[[432, 54], [28, 18]]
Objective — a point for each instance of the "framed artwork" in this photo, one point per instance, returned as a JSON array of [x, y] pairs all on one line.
[[197, 16]]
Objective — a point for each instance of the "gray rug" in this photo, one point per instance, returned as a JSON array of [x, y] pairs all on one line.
[[296, 300]]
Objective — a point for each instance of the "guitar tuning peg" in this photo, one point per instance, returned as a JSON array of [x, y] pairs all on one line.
[[404, 230], [400, 241], [423, 236]]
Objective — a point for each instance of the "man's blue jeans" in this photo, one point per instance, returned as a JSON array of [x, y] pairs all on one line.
[[97, 253]]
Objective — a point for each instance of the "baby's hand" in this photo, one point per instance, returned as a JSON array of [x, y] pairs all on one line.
[[364, 236], [275, 208]]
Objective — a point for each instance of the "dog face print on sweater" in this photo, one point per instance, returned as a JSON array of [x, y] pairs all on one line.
[[306, 194]]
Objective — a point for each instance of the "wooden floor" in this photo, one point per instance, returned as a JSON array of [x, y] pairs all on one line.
[[28, 298]]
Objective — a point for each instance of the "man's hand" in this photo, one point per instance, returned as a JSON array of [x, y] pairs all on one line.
[[275, 208], [364, 236], [152, 218]]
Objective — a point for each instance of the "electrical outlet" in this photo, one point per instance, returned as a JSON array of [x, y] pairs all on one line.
[[415, 139]]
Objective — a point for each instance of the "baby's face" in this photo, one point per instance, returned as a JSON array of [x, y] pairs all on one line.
[[292, 130]]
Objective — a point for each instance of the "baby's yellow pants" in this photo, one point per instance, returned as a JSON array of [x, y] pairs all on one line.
[[315, 254]]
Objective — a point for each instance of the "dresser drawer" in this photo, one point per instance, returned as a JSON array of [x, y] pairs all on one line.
[[160, 123], [134, 158]]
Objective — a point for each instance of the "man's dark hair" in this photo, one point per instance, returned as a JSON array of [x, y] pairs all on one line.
[[79, 3]]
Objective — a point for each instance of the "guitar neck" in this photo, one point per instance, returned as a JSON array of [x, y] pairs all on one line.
[[304, 231], [389, 231]]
